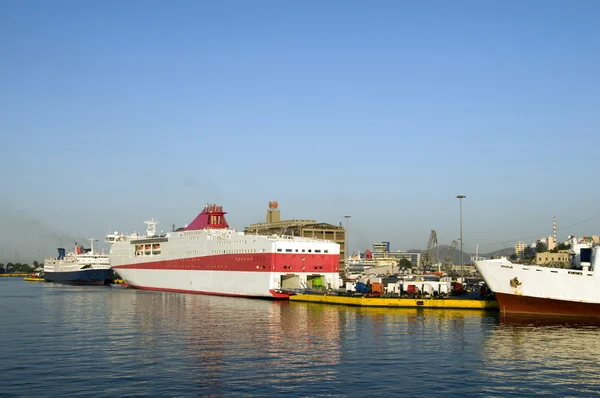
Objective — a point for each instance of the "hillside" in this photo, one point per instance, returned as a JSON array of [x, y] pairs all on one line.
[[502, 252], [442, 252]]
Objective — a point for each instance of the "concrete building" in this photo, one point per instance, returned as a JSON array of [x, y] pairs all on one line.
[[467, 268], [304, 228], [382, 249], [593, 240], [546, 258], [520, 249]]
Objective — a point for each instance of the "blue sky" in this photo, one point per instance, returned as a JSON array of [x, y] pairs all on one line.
[[115, 112]]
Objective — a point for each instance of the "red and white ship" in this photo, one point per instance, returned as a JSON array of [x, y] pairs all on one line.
[[543, 290], [208, 257]]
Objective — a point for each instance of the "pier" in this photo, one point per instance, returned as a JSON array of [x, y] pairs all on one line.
[[438, 303]]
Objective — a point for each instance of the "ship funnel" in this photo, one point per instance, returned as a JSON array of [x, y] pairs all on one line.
[[61, 253]]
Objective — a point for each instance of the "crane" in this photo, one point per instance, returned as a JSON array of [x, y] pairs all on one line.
[[450, 258], [428, 254]]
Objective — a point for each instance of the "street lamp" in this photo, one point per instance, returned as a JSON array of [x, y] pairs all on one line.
[[347, 252], [460, 197]]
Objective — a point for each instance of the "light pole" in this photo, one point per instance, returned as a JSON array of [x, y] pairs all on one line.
[[460, 197], [347, 251]]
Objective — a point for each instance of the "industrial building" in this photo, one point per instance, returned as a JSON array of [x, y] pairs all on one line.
[[304, 228], [382, 249], [562, 257]]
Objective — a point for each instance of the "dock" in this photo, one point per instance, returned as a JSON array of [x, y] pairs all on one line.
[[397, 302], [13, 275]]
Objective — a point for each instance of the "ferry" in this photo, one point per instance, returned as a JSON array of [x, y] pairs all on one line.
[[81, 266], [209, 257], [545, 290]]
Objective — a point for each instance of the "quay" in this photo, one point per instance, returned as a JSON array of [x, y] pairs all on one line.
[[397, 302], [15, 274]]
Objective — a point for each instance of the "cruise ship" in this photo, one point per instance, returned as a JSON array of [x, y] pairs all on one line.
[[209, 257]]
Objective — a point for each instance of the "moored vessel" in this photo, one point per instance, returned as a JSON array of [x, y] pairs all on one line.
[[543, 290], [81, 266], [209, 257], [360, 264]]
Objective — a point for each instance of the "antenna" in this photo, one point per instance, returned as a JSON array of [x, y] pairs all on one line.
[[173, 228], [554, 228]]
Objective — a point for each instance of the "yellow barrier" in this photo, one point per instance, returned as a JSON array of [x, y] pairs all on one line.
[[454, 303]]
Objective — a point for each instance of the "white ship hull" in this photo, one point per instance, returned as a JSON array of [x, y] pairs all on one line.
[[222, 261], [238, 283], [530, 289]]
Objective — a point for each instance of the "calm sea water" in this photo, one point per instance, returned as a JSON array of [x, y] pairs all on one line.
[[107, 341]]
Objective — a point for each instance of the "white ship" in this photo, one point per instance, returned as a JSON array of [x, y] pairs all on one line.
[[531, 289], [359, 264], [81, 266], [209, 257]]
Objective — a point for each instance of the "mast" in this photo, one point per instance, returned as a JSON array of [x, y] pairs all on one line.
[[151, 230], [92, 240]]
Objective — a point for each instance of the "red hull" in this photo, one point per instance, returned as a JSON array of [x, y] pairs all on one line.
[[276, 295], [515, 304], [267, 262]]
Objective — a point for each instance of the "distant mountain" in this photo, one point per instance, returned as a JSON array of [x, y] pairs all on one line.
[[499, 253], [443, 251]]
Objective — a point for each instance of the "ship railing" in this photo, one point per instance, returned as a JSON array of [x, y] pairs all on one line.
[[295, 238]]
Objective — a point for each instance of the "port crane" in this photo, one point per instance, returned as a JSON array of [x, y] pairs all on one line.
[[450, 258], [428, 254]]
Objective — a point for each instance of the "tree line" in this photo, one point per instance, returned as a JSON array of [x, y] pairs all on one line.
[[18, 268]]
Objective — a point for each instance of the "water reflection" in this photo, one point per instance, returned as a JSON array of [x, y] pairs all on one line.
[[123, 342], [224, 344], [542, 354], [213, 335]]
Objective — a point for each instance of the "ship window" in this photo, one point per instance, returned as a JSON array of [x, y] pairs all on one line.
[[317, 250], [288, 250], [296, 250], [309, 250], [278, 250], [303, 250], [326, 251]]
